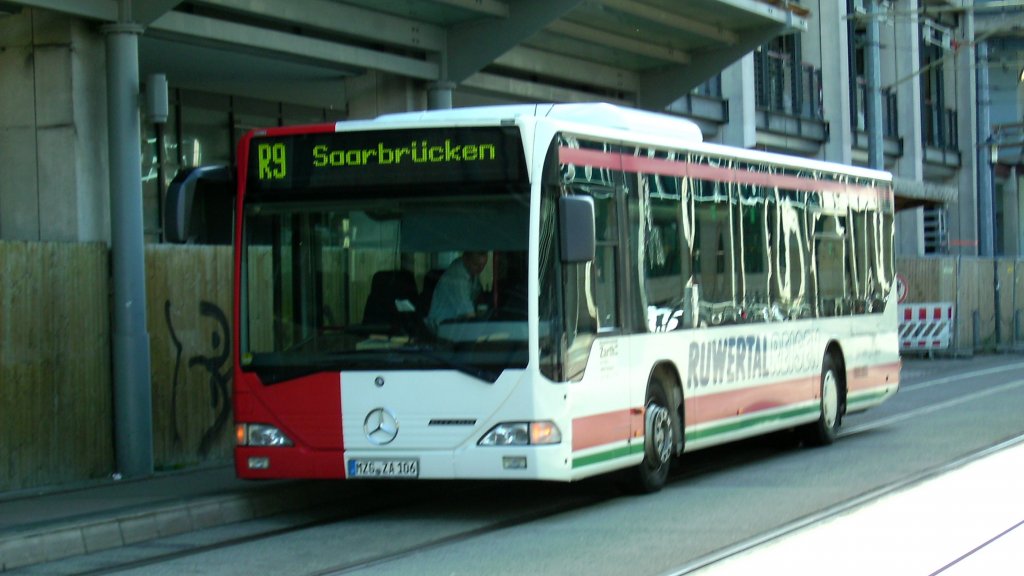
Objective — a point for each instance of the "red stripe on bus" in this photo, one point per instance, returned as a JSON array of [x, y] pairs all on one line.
[[712, 407], [588, 157], [732, 403], [666, 167], [621, 425], [607, 428], [869, 377]]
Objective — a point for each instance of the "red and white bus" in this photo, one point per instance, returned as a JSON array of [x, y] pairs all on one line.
[[643, 294]]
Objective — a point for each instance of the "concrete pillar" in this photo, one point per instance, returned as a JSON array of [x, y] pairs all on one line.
[[1018, 189], [738, 90], [961, 71], [835, 79], [873, 72], [439, 95], [906, 51], [376, 93], [987, 232], [133, 406], [1011, 232]]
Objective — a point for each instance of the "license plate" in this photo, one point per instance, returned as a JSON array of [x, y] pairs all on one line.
[[384, 468]]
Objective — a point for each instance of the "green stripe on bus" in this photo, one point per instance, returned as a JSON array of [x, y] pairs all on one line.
[[726, 428], [620, 452], [864, 397], [757, 421]]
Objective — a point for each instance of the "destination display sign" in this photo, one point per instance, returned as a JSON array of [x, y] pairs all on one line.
[[310, 162]]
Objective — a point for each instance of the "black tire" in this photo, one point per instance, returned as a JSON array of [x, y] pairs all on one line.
[[832, 403], [652, 473]]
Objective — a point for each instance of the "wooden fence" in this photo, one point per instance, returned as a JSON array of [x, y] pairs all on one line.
[[982, 290], [188, 290], [55, 396], [56, 414], [56, 417]]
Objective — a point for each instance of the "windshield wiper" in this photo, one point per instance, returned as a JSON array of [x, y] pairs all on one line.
[[273, 368]]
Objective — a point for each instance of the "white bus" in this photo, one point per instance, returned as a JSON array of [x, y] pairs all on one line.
[[642, 294]]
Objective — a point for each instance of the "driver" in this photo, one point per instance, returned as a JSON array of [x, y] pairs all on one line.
[[457, 289]]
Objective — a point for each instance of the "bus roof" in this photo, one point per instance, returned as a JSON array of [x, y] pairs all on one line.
[[607, 120], [594, 115]]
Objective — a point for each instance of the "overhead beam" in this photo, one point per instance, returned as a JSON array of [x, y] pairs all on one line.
[[146, 11], [488, 7], [673, 20], [575, 70], [105, 10], [619, 42], [142, 11], [532, 91], [659, 88], [474, 45], [298, 48], [344, 19]]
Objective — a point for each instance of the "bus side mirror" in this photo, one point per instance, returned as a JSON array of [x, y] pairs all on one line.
[[181, 197], [576, 223]]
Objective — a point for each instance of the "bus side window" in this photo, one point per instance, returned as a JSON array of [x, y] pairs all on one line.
[[662, 255], [751, 234], [714, 253], [791, 251], [830, 251], [604, 271]]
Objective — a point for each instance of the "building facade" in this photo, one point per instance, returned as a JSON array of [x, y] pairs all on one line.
[[799, 85]]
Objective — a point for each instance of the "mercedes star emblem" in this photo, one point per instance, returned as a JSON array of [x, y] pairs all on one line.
[[380, 426]]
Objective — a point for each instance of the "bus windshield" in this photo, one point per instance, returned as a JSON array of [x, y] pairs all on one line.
[[427, 281]]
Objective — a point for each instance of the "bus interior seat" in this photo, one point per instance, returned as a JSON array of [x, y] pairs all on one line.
[[386, 288], [427, 295]]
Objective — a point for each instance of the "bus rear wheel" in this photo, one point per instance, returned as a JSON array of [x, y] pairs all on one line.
[[652, 473], [826, 429]]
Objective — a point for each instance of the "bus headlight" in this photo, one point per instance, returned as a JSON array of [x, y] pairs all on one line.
[[522, 434], [260, 435]]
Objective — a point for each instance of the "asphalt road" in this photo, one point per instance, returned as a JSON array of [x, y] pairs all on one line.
[[718, 499]]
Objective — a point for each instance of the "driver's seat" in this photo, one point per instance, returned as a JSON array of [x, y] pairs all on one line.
[[387, 288]]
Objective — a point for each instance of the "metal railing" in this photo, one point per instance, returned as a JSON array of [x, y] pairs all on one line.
[[785, 87], [890, 113], [939, 127]]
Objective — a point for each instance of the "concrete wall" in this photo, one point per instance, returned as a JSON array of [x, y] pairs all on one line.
[[52, 130], [19, 186], [376, 93]]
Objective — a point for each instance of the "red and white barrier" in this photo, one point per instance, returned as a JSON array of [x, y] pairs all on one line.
[[926, 326]]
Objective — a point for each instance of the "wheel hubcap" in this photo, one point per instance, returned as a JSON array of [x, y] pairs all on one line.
[[659, 433], [830, 399]]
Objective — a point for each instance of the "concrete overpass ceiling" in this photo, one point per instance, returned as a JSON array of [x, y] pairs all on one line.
[[628, 47], [443, 13], [646, 52], [200, 67]]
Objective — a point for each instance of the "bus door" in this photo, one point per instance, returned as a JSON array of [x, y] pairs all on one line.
[[597, 353]]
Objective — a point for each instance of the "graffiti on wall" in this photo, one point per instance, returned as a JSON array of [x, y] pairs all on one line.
[[213, 360]]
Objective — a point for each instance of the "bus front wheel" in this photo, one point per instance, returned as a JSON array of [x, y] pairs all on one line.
[[651, 474]]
